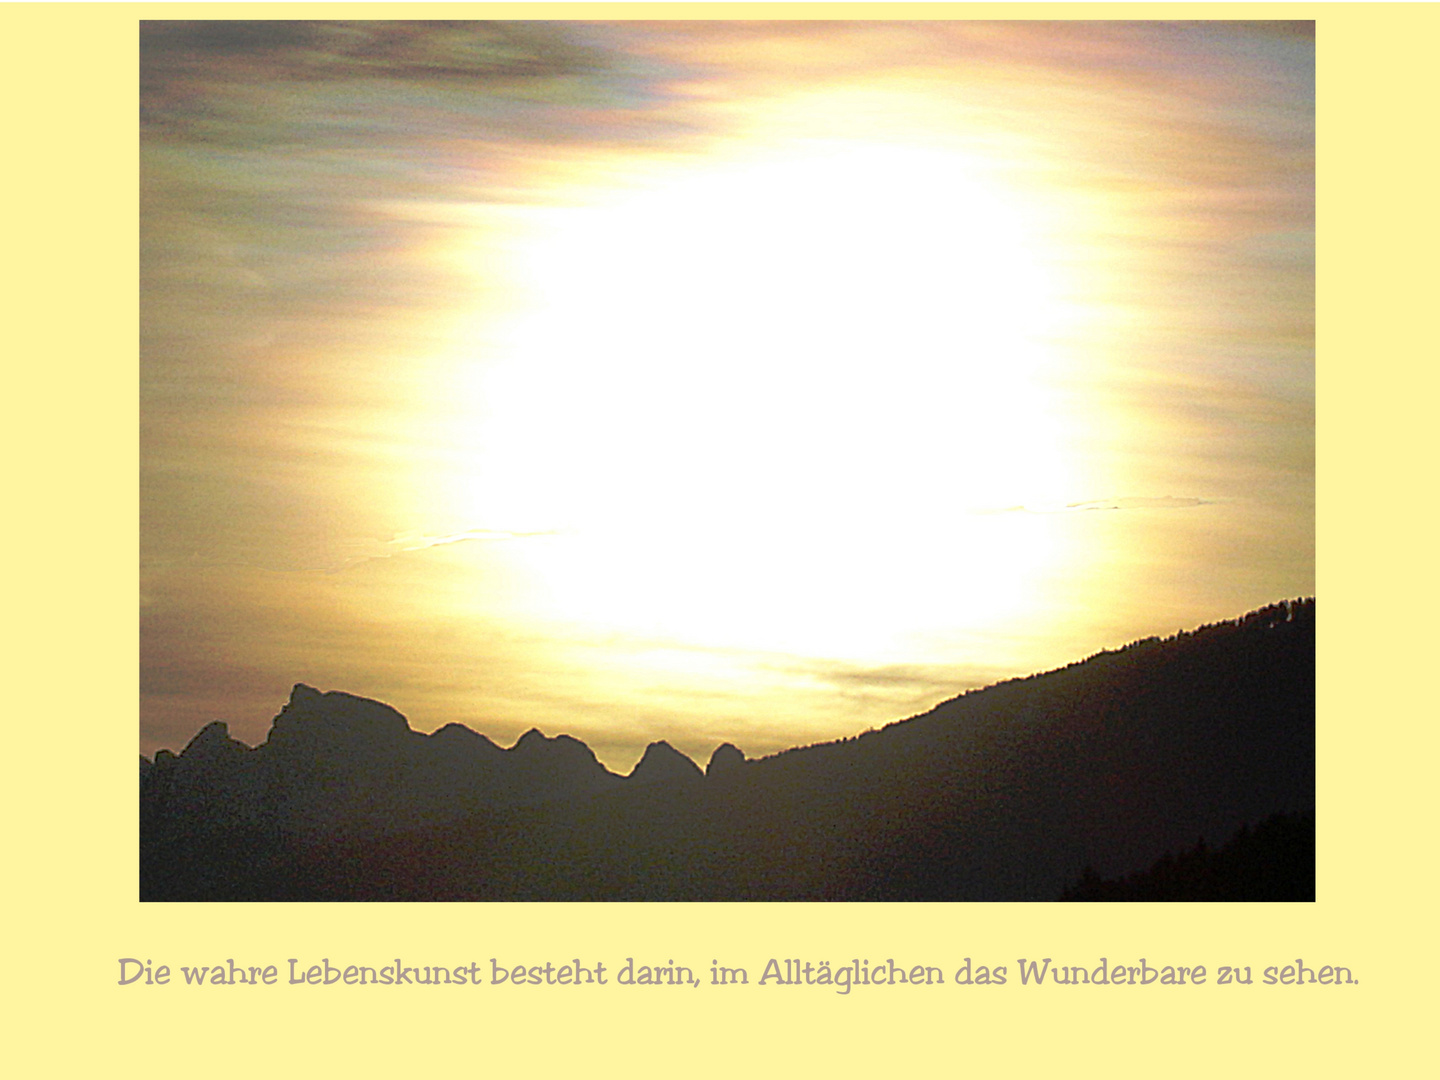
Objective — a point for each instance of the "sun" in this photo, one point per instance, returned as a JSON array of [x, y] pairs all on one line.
[[767, 398]]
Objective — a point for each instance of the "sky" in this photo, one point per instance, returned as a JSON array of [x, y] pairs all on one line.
[[710, 381]]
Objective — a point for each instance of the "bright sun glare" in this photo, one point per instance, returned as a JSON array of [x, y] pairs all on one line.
[[787, 379]]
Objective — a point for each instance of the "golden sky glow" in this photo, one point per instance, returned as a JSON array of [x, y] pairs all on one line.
[[732, 381]]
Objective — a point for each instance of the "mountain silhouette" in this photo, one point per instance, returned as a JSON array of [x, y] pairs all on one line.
[[726, 759], [1087, 774], [663, 764]]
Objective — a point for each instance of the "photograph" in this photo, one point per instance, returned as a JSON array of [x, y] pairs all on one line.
[[744, 460]]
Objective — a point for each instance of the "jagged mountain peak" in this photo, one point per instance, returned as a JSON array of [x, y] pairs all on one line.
[[337, 717], [531, 741], [535, 742], [458, 735], [302, 695], [662, 762], [726, 759], [212, 741]]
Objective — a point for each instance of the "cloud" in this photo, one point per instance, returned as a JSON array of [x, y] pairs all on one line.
[[904, 686], [1167, 502], [419, 541], [1164, 503], [359, 551], [477, 54]]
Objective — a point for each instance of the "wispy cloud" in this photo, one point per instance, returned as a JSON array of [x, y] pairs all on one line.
[[1166, 502], [359, 551], [901, 688]]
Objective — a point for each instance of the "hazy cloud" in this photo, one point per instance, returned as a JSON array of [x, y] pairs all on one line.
[[362, 550], [1132, 503], [913, 687]]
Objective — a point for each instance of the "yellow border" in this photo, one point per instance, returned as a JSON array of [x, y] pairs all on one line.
[[71, 552]]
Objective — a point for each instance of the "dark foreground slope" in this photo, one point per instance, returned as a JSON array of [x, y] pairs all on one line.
[[1273, 861], [1007, 793]]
